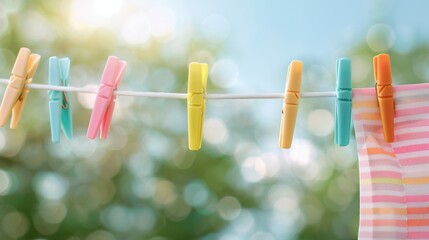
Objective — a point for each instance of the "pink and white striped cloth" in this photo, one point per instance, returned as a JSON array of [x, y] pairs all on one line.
[[394, 177]]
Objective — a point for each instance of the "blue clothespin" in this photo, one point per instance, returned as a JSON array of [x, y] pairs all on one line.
[[59, 105], [343, 111]]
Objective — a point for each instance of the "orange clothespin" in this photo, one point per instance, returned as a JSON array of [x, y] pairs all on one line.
[[384, 90], [290, 103], [16, 94]]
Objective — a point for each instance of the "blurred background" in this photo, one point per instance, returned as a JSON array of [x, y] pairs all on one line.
[[143, 182]]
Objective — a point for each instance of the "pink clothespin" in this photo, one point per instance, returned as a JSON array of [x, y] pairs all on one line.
[[105, 102]]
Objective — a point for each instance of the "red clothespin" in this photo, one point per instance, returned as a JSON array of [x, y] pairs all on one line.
[[384, 90], [105, 102]]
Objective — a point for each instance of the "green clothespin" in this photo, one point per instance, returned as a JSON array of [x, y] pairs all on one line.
[[343, 111], [59, 104]]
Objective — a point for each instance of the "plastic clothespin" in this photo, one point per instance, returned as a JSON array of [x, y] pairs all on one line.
[[290, 103], [59, 105], [101, 115], [15, 95], [197, 84], [343, 111], [384, 90]]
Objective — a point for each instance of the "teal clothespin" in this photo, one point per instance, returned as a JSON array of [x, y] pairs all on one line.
[[343, 111], [59, 105]]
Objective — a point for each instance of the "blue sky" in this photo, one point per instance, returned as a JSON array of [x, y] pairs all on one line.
[[266, 35]]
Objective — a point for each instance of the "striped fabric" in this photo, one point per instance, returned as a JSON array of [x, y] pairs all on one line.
[[394, 177]]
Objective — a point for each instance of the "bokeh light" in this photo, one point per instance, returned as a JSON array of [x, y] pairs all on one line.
[[53, 212], [130, 33], [215, 131], [196, 193], [162, 21], [380, 37], [87, 100], [229, 208], [320, 122], [224, 73], [5, 182], [51, 186], [14, 224]]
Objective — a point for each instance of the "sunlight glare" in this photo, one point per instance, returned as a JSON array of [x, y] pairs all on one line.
[[106, 8], [89, 14]]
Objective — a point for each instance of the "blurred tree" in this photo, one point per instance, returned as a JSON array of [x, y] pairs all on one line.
[[142, 182]]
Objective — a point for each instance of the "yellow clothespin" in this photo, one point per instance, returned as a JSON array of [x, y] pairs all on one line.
[[290, 103], [197, 84], [16, 94]]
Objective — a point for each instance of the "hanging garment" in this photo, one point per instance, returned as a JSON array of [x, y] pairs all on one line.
[[394, 177]]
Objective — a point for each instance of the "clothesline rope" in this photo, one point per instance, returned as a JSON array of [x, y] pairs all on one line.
[[175, 95]]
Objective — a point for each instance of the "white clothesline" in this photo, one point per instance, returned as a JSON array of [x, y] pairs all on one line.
[[176, 95]]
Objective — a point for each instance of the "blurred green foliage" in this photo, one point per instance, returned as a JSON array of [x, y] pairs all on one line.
[[142, 182]]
